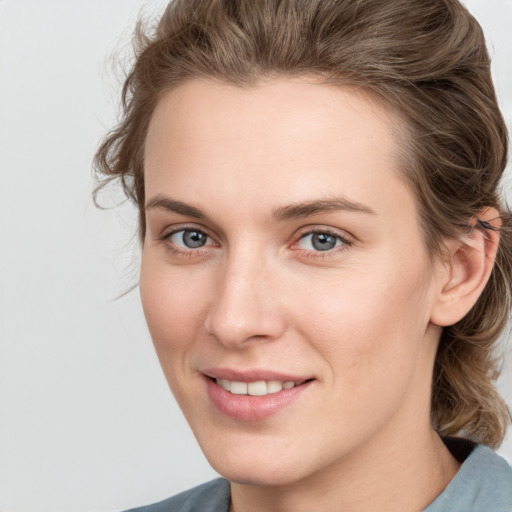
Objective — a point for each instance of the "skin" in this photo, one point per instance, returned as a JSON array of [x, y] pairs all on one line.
[[363, 318]]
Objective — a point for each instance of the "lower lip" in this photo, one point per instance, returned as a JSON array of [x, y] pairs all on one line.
[[252, 408]]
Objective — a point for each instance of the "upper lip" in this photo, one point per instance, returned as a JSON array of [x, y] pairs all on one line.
[[253, 375]]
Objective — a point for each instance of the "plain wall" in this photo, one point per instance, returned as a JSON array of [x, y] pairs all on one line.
[[86, 420]]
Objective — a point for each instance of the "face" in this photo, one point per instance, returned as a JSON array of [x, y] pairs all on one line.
[[284, 278]]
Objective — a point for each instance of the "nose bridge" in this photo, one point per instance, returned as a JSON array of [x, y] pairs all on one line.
[[245, 307]]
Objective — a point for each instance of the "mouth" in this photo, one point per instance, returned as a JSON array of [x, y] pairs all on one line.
[[257, 387], [253, 396]]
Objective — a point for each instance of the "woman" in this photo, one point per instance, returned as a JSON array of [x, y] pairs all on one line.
[[326, 261]]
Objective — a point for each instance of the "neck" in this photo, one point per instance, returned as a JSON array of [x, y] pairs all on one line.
[[407, 475]]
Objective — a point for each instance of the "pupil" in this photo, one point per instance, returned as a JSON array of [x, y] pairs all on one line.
[[194, 239], [323, 241]]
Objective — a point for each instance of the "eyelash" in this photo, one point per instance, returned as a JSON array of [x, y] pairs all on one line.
[[191, 252], [329, 253]]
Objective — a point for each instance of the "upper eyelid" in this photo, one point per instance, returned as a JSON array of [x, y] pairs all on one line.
[[341, 233], [302, 231], [330, 233], [187, 227]]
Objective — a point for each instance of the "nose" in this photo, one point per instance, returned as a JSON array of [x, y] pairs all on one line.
[[246, 307]]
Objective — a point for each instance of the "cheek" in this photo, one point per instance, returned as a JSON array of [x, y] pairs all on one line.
[[172, 305], [372, 325], [371, 339]]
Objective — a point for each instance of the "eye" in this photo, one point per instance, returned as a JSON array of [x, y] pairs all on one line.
[[188, 239], [320, 241]]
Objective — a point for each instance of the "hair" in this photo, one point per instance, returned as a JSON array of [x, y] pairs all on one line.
[[426, 60]]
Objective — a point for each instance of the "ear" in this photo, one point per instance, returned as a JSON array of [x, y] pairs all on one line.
[[467, 268]]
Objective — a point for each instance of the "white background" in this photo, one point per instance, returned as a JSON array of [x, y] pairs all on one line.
[[86, 420]]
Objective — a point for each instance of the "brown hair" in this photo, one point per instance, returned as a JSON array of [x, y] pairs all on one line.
[[427, 60]]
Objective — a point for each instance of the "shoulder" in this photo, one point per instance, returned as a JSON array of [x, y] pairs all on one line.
[[209, 497], [484, 482]]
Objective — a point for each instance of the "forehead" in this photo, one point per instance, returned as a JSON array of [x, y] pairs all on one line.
[[287, 109], [284, 140]]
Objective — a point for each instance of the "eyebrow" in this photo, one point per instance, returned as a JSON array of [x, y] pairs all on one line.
[[171, 205], [283, 213], [309, 208]]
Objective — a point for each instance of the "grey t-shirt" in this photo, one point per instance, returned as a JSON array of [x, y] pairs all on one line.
[[483, 484]]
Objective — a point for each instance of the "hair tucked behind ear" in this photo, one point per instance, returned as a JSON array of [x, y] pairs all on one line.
[[427, 60]]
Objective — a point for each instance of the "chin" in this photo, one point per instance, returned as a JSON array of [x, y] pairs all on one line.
[[266, 476], [257, 466]]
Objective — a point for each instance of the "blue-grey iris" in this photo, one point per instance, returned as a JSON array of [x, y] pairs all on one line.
[[194, 239], [323, 241]]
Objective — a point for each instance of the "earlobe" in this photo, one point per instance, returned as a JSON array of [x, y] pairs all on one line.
[[468, 266]]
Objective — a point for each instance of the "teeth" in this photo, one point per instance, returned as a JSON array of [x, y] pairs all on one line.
[[274, 386], [226, 384], [239, 388], [257, 388]]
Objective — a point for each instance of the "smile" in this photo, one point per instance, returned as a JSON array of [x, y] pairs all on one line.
[[253, 395], [256, 388]]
